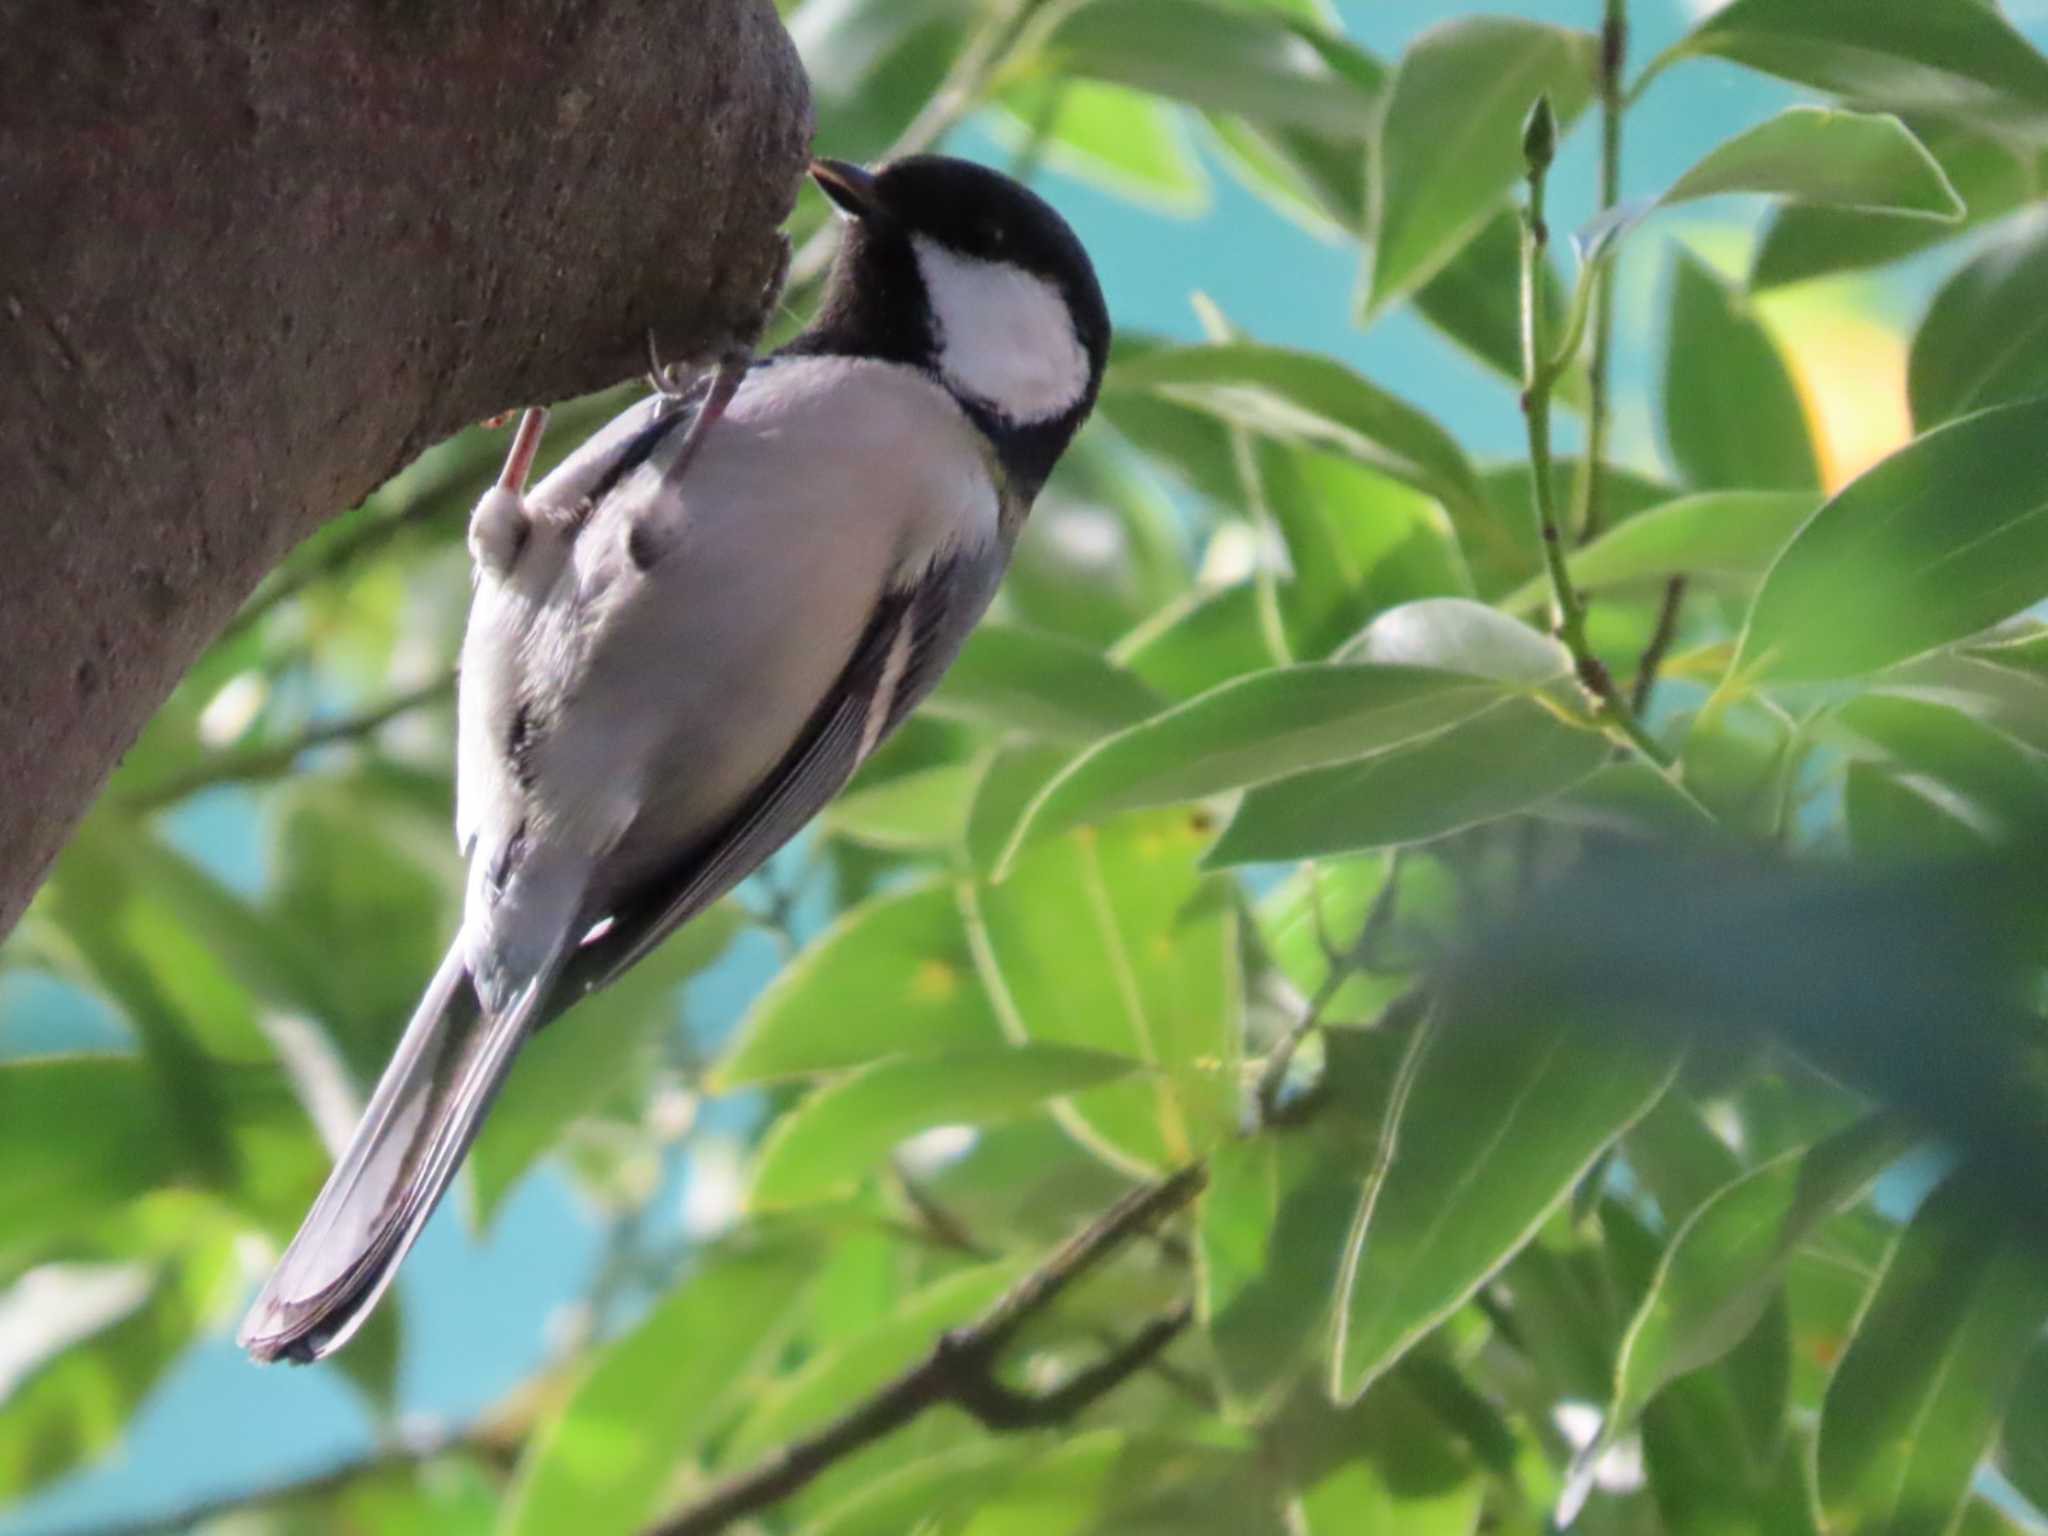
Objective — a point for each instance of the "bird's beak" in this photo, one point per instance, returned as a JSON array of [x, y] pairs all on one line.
[[850, 187]]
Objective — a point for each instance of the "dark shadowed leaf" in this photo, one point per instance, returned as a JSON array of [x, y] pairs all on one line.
[[1984, 340], [1031, 680], [1504, 759], [1941, 540], [1732, 416], [1916, 1401]]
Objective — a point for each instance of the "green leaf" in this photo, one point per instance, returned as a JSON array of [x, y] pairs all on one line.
[[1328, 903], [1475, 299], [1202, 641], [823, 1148], [1941, 540], [1111, 939], [1984, 341], [1357, 544], [1218, 57], [1714, 1442], [834, 1379], [1504, 759], [937, 1487], [1864, 160], [1990, 173], [1985, 779], [603, 1460], [1732, 415], [1029, 680], [561, 1076], [1450, 144], [1714, 533], [1916, 1401], [1951, 56], [892, 975], [1306, 397], [79, 1135], [1316, 181], [924, 811], [1722, 1268], [1498, 1125], [129, 1330], [1272, 1223], [2023, 1440], [1254, 730], [1010, 780], [1128, 142]]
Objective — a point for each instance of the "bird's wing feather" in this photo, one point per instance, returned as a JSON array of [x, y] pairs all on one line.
[[425, 1112], [909, 641]]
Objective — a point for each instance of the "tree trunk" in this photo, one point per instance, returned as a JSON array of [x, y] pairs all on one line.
[[254, 257]]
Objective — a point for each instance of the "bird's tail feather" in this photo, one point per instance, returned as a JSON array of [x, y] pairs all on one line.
[[425, 1112]]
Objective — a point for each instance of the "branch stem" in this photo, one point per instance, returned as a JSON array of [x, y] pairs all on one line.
[[961, 1369], [1568, 606], [1589, 514]]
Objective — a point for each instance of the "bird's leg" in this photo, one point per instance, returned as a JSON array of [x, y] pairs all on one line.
[[728, 372], [499, 527]]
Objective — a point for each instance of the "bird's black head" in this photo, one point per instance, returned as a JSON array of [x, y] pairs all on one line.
[[958, 270]]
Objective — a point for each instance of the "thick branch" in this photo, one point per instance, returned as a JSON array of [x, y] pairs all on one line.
[[257, 256], [961, 1370]]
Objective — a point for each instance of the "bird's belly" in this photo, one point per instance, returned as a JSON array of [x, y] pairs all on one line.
[[719, 658]]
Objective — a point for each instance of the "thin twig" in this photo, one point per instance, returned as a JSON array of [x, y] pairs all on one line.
[[961, 1370], [1540, 373], [1591, 510], [1660, 645], [253, 764], [937, 1222], [1340, 964]]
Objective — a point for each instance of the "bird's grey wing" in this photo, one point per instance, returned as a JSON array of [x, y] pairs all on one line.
[[910, 639]]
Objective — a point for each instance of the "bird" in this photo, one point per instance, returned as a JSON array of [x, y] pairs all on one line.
[[684, 640]]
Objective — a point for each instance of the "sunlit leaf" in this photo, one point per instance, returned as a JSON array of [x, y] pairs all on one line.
[[1451, 145], [1822, 155], [1991, 174], [1111, 939], [823, 1147], [1497, 1126], [1220, 57], [602, 1460], [892, 975], [1936, 55]]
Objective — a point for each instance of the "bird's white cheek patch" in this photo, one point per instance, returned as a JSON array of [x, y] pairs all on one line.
[[1005, 336]]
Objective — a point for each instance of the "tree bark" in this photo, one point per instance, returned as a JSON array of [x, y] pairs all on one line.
[[254, 257]]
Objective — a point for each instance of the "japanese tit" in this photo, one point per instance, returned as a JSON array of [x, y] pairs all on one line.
[[686, 638]]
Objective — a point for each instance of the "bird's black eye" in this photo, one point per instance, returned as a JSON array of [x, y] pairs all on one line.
[[993, 236]]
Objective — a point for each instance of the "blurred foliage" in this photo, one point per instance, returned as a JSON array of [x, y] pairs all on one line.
[[1543, 1093]]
